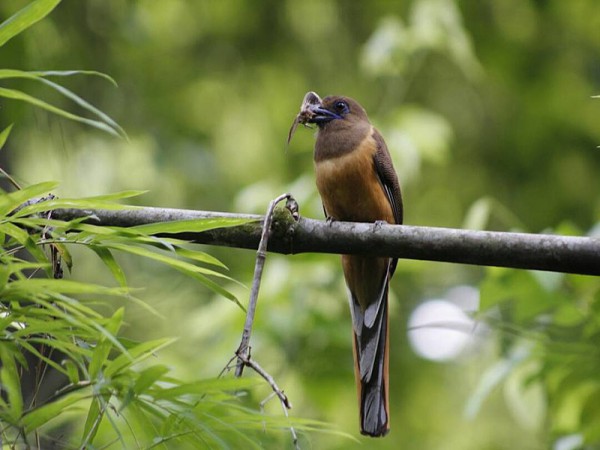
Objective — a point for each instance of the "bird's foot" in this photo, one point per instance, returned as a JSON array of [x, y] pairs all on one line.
[[329, 220], [292, 205], [378, 223]]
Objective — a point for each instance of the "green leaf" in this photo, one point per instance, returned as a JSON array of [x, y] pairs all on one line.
[[478, 215], [23, 288], [189, 269], [99, 357], [22, 96], [37, 76], [198, 256], [109, 260], [191, 226], [9, 379], [93, 419], [521, 288], [492, 377], [45, 413], [4, 135], [183, 266], [41, 74], [148, 377], [205, 386], [13, 233], [26, 344], [24, 18], [99, 202], [103, 348], [135, 355], [24, 239], [5, 273], [217, 288], [8, 202], [68, 73]]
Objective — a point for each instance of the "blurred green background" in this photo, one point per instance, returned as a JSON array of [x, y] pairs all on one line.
[[486, 107]]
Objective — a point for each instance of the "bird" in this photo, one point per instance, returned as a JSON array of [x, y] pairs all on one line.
[[357, 182]]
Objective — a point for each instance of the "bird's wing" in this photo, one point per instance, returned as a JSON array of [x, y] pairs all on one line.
[[387, 176], [389, 181]]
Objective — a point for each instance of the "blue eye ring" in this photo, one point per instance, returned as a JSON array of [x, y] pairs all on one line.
[[342, 107]]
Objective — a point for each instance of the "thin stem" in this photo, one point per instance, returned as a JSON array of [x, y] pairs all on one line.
[[261, 256]]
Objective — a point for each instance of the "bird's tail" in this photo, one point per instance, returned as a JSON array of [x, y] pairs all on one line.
[[371, 364]]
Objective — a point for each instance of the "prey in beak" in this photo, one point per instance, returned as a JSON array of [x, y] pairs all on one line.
[[311, 111]]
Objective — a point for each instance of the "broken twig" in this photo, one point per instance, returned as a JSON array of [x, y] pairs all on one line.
[[261, 255]]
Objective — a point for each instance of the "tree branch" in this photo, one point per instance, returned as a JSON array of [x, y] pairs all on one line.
[[555, 253]]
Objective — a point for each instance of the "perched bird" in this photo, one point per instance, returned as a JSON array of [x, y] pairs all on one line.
[[357, 182]]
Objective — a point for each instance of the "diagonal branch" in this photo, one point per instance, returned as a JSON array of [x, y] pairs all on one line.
[[555, 253], [243, 351]]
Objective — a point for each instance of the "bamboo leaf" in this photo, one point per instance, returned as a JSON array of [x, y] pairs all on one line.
[[27, 346], [206, 386], [217, 288], [191, 270], [13, 232], [68, 73], [8, 202], [72, 371], [37, 76], [9, 378], [93, 419], [4, 135], [103, 348], [193, 226], [99, 202], [22, 96], [199, 257], [184, 266], [27, 287], [24, 18], [14, 73], [148, 377], [45, 413], [135, 355], [109, 260]]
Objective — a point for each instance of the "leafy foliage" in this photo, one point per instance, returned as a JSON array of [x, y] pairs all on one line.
[[552, 322], [49, 324], [19, 22]]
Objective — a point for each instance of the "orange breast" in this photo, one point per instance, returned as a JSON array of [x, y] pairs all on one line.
[[350, 188]]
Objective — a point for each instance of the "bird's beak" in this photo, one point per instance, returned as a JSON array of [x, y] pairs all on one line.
[[311, 111], [320, 115]]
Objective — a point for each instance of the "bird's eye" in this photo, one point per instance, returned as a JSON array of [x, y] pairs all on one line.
[[342, 107]]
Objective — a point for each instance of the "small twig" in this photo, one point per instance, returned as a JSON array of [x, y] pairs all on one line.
[[227, 367], [285, 402], [261, 256], [243, 352], [10, 179], [247, 361]]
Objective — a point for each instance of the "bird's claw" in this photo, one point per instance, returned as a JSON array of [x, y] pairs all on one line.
[[292, 206], [378, 224], [329, 220]]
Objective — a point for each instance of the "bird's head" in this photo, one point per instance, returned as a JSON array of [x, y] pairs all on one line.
[[335, 108], [334, 112]]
